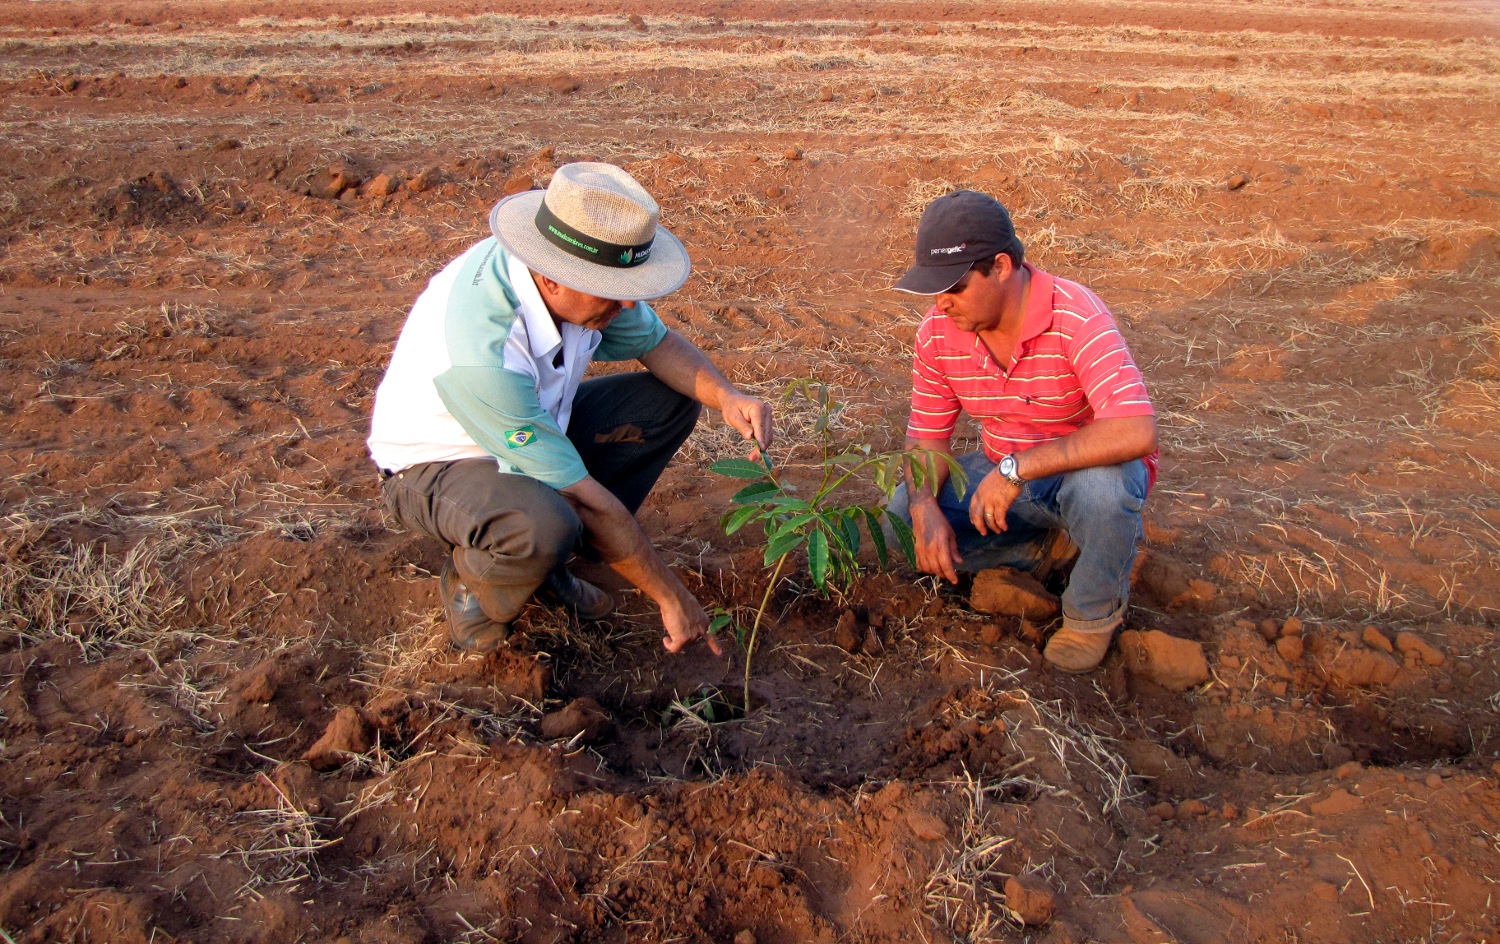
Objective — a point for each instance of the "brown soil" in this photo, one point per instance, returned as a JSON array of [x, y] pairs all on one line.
[[226, 711]]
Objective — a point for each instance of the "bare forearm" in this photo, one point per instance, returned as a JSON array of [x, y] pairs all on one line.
[[613, 531], [679, 364], [1100, 443]]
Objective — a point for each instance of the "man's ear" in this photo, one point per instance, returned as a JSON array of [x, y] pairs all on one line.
[[1003, 266], [546, 286]]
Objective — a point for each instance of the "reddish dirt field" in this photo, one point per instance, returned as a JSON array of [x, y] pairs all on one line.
[[227, 712]]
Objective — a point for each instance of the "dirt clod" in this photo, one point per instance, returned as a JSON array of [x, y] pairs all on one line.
[[1173, 663], [330, 183], [258, 686], [382, 185], [792, 153], [1012, 593], [1188, 809], [925, 825], [582, 718], [425, 180], [1339, 801], [347, 734], [1413, 645], [517, 183], [1375, 639], [1361, 668], [846, 632], [1030, 899], [1174, 583], [1290, 648]]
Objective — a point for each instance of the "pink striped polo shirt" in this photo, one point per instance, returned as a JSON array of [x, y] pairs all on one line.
[[1071, 367]]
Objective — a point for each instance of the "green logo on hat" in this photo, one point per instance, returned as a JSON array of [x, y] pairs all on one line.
[[516, 438], [626, 256]]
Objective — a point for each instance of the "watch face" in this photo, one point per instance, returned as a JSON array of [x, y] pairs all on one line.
[[1008, 466]]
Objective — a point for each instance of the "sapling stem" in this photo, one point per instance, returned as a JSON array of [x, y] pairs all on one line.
[[755, 628]]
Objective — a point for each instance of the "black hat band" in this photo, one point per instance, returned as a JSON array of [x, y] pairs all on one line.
[[575, 243]]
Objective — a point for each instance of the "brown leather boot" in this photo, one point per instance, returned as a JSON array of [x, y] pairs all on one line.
[[468, 627], [1076, 652], [585, 600], [1058, 555]]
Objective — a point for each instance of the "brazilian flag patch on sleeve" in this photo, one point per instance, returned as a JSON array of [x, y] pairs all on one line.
[[516, 438]]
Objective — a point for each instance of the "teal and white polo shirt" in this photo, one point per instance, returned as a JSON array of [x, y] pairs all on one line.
[[474, 372]]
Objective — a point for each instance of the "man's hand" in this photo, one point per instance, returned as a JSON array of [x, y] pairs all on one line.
[[992, 499], [617, 536], [686, 623], [751, 416], [936, 544]]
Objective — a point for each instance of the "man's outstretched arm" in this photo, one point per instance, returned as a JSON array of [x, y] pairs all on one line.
[[613, 531]]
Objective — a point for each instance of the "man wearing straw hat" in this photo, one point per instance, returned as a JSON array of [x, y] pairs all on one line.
[[488, 438], [1069, 433]]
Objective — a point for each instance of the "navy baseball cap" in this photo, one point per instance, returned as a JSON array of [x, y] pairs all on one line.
[[957, 230]]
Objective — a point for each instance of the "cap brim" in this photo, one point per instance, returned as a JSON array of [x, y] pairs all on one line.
[[513, 221], [932, 280]]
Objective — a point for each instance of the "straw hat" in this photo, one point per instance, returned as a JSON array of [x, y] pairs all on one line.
[[595, 230]]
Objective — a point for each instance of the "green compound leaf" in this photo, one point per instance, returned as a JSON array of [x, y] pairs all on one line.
[[797, 521], [782, 545], [817, 558], [848, 533], [877, 536], [738, 518], [754, 491], [904, 539], [788, 503], [738, 469]]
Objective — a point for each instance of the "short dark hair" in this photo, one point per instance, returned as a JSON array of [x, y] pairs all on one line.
[[1015, 250]]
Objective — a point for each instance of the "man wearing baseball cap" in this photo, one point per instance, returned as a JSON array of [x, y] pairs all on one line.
[[1069, 434], [488, 438]]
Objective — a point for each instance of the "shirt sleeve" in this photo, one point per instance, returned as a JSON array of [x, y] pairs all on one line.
[[934, 405], [1110, 380], [635, 331], [499, 409]]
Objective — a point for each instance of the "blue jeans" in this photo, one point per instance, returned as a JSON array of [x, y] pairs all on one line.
[[1100, 508]]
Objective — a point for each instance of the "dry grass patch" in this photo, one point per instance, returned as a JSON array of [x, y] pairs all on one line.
[[109, 589]]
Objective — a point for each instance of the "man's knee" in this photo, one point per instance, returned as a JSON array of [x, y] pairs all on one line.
[[1104, 490], [526, 541]]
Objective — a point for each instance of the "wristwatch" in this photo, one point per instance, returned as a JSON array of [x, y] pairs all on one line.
[[1008, 469]]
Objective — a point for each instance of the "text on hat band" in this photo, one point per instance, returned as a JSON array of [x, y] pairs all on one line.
[[575, 243]]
